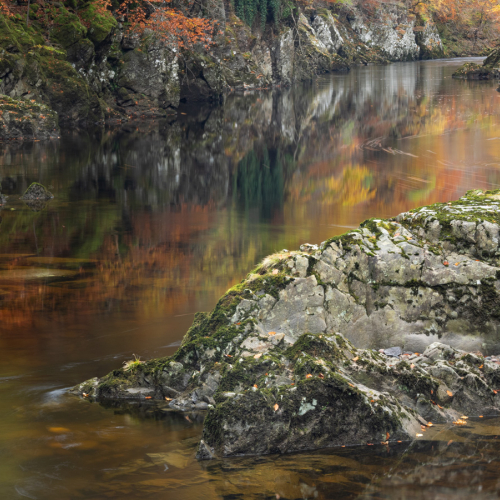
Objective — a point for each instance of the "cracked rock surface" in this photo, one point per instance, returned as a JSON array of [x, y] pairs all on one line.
[[275, 362]]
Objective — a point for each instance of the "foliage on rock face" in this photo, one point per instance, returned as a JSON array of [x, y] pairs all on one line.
[[98, 19]]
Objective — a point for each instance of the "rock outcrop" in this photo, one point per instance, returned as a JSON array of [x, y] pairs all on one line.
[[29, 120], [489, 70], [275, 361], [89, 69]]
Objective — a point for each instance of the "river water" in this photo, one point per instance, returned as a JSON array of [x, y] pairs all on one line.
[[153, 222]]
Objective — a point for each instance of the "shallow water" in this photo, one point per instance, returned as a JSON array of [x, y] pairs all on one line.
[[153, 222]]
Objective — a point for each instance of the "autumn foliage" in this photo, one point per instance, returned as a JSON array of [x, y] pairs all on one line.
[[144, 17], [156, 17]]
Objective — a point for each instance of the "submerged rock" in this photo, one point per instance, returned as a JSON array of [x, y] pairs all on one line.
[[36, 192], [274, 362]]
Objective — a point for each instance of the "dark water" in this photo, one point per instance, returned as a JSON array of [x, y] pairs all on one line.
[[153, 222]]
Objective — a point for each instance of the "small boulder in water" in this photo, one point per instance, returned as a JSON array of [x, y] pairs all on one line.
[[37, 192], [393, 351]]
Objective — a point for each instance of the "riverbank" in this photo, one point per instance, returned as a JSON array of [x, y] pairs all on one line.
[[88, 69]]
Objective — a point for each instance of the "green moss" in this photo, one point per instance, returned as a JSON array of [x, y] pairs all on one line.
[[101, 24]]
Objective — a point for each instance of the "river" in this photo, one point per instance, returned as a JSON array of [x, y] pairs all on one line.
[[153, 222]]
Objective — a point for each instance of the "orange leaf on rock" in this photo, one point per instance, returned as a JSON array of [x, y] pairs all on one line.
[[272, 333], [445, 263], [356, 358], [449, 393]]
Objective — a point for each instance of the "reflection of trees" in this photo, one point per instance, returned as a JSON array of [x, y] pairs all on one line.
[[171, 209]]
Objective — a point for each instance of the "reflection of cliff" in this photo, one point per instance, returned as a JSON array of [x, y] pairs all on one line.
[[169, 209]]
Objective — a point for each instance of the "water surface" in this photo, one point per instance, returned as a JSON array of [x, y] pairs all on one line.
[[155, 221]]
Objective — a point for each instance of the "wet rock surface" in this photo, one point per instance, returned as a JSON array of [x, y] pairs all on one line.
[[274, 363]]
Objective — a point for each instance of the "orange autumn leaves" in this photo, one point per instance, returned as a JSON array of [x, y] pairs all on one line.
[[170, 25]]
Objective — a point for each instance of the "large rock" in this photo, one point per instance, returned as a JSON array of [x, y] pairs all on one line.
[[274, 362]]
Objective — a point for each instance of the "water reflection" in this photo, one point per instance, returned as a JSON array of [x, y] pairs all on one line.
[[153, 222]]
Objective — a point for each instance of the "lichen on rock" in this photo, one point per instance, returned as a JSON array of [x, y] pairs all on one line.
[[275, 362]]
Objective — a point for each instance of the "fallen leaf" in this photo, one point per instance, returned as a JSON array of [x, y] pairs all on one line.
[[412, 366], [343, 446], [400, 441], [481, 367], [440, 407], [419, 435], [495, 392], [321, 376], [257, 356], [188, 419], [168, 399], [449, 393], [272, 333], [456, 263], [275, 271], [464, 417], [58, 430], [450, 441], [480, 416], [429, 424], [352, 385], [308, 375], [387, 436], [384, 443], [432, 392], [85, 395], [369, 444], [373, 401], [276, 406], [255, 385], [445, 263], [267, 374], [356, 358], [147, 397]]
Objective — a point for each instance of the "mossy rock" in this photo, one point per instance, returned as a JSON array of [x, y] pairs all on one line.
[[67, 29]]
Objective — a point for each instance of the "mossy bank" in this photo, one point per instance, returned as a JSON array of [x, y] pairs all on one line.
[[275, 362], [88, 69]]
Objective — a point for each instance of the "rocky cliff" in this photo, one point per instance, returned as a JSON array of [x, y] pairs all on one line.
[[276, 364], [87, 69]]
